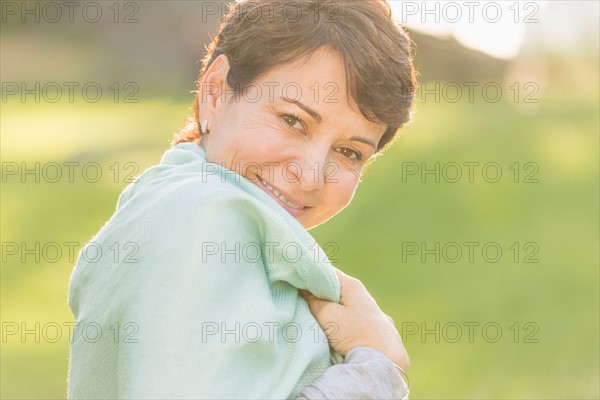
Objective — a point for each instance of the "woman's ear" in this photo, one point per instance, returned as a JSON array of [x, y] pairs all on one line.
[[212, 87]]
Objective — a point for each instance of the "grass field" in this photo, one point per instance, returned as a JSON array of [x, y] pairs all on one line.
[[496, 326]]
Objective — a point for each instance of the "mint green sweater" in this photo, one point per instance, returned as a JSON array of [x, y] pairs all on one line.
[[190, 291]]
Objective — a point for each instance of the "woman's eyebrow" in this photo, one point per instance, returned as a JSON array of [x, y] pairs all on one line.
[[365, 141], [315, 115]]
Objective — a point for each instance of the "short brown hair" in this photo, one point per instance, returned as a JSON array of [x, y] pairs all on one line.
[[258, 35]]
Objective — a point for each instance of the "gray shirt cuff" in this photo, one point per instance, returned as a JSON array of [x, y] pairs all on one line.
[[365, 374]]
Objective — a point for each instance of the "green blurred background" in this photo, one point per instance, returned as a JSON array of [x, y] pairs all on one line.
[[542, 292]]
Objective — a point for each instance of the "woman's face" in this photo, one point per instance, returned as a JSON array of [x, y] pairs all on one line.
[[293, 133]]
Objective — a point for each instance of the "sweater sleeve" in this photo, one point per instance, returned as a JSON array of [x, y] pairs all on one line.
[[208, 324], [365, 374]]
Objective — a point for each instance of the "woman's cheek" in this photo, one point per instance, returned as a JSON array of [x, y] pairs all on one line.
[[344, 189]]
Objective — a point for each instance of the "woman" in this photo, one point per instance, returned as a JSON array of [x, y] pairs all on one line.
[[209, 295]]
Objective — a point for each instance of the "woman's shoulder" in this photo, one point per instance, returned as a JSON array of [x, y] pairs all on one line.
[[185, 186], [184, 174], [208, 199]]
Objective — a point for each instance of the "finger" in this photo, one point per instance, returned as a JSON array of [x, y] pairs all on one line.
[[353, 291], [321, 309]]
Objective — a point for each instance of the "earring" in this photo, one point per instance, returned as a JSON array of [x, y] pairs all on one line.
[[203, 126]]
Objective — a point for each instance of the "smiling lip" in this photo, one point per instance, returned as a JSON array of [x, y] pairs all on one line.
[[282, 198]]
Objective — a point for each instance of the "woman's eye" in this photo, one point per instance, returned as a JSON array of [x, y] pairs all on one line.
[[293, 121], [351, 154]]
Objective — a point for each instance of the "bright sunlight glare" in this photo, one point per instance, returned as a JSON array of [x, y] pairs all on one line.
[[494, 27]]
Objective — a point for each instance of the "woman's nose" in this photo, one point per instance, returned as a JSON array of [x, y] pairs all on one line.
[[309, 171]]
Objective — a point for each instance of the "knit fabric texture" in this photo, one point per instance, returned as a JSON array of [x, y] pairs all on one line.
[[190, 290]]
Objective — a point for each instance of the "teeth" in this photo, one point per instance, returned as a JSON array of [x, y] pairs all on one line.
[[280, 196]]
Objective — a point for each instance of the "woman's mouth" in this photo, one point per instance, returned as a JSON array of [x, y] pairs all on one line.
[[293, 208]]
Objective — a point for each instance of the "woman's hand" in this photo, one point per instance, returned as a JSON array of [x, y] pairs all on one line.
[[357, 321]]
